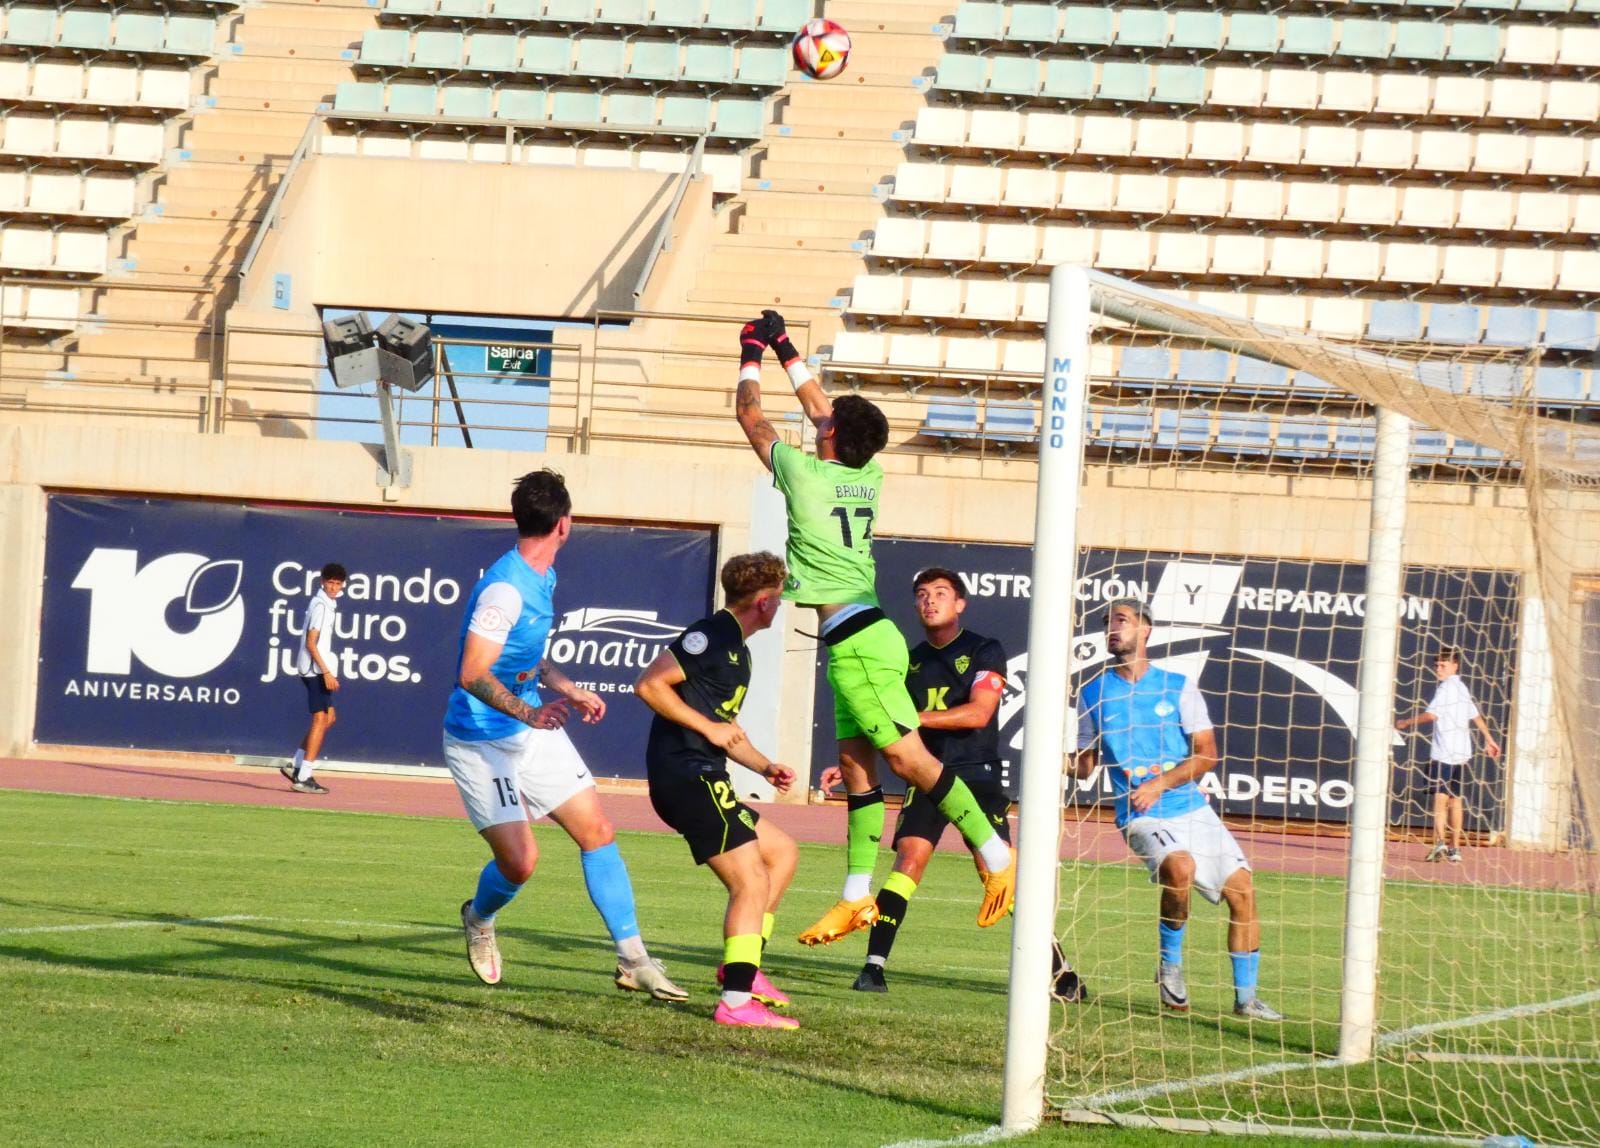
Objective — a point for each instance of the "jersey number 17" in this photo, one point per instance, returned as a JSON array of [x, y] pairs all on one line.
[[864, 513]]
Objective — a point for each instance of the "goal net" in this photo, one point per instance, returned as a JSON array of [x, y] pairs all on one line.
[[1236, 481]]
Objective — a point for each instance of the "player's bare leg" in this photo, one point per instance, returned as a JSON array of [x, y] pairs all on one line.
[[1440, 805], [909, 759], [299, 772], [750, 873], [1244, 947], [606, 878], [1456, 809], [515, 855], [856, 908], [1177, 878]]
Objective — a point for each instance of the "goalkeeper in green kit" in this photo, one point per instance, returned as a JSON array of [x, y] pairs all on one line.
[[832, 501]]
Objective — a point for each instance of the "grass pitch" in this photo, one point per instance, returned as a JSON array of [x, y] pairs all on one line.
[[199, 974]]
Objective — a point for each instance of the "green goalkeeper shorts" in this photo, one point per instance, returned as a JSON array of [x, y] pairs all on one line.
[[867, 664]]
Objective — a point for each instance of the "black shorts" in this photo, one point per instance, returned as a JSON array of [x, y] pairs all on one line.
[[920, 817], [1444, 778], [319, 698], [702, 807]]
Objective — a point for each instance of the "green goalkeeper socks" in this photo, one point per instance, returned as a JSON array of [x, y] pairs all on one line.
[[864, 829]]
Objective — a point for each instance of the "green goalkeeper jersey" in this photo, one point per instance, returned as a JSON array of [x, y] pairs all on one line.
[[831, 511]]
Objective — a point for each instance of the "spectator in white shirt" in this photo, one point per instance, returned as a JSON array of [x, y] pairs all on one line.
[[315, 667], [1452, 715]]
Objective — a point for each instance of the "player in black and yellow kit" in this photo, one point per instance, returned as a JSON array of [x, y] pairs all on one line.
[[696, 687], [957, 678]]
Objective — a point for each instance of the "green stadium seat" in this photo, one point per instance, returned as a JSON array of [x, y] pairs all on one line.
[[708, 63], [979, 21], [960, 73], [546, 55], [464, 9], [142, 31], [784, 15], [492, 52], [569, 11], [1014, 75], [1069, 79], [1364, 39], [686, 113], [30, 26], [354, 97], [600, 57], [734, 15], [740, 119], [1474, 43], [468, 101], [1197, 31], [385, 47], [654, 60], [407, 98], [524, 105], [86, 28], [1124, 81], [1419, 40], [1032, 24], [630, 109], [438, 50], [1253, 32], [517, 10], [1307, 36], [573, 107], [191, 35], [1081, 24], [1180, 84], [409, 7], [676, 13], [763, 67], [1142, 28], [624, 13]]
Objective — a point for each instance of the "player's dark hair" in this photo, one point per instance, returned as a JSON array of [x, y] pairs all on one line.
[[746, 575], [1448, 654], [1139, 608], [333, 572], [860, 430], [940, 574], [539, 501]]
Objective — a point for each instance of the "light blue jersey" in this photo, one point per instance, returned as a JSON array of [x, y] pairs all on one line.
[[512, 604], [1142, 729]]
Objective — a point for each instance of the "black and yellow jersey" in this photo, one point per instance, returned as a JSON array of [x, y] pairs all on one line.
[[716, 667]]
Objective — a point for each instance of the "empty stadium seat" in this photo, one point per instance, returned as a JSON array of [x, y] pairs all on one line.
[[389, 47], [86, 28], [994, 130], [686, 114], [1011, 420], [1511, 327], [358, 97], [710, 64], [979, 21], [28, 25], [957, 419], [1560, 384], [1032, 23], [1453, 323], [1014, 75], [1082, 24], [1572, 330], [1199, 32], [1069, 79], [437, 50], [784, 16], [1255, 33], [731, 15], [961, 73], [521, 105], [492, 52]]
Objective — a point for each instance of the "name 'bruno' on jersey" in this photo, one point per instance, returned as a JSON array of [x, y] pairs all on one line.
[[716, 676], [832, 508], [942, 678]]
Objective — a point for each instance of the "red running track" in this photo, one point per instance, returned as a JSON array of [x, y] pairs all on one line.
[[1089, 840]]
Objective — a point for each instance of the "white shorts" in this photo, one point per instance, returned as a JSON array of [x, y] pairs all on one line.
[[1201, 834], [511, 778]]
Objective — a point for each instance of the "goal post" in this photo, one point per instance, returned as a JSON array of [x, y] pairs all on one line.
[[1479, 1013]]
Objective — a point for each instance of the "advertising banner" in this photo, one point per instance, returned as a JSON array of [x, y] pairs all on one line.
[[174, 624], [1275, 646]]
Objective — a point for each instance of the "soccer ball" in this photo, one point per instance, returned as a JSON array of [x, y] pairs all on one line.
[[821, 48]]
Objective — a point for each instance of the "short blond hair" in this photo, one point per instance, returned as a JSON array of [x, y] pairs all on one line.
[[746, 575]]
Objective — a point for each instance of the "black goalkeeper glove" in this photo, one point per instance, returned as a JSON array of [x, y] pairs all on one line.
[[778, 337], [752, 342]]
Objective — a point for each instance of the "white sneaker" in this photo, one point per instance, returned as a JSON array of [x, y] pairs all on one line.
[[1257, 1009], [482, 952], [649, 977], [1437, 853], [1174, 991]]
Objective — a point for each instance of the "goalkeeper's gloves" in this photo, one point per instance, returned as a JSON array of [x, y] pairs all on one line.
[[752, 342], [778, 340]]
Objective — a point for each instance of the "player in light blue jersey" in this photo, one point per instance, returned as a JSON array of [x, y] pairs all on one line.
[[510, 758], [1150, 729]]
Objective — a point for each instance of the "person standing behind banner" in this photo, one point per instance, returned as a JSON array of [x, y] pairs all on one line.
[[1452, 714], [315, 667]]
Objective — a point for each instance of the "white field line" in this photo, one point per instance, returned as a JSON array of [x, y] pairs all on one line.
[[1495, 1058], [94, 925], [1386, 1041], [991, 1135]]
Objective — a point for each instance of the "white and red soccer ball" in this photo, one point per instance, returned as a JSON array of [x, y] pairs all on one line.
[[821, 48]]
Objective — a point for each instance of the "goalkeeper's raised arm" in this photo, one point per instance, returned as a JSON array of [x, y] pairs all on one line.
[[754, 338]]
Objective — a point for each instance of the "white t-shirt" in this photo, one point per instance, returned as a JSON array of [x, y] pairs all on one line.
[[1452, 711], [319, 617]]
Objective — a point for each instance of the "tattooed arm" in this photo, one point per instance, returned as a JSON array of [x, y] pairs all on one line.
[[747, 405], [477, 678]]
